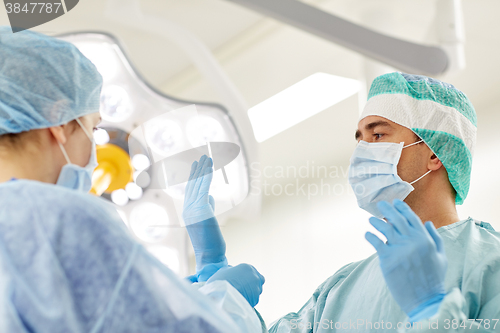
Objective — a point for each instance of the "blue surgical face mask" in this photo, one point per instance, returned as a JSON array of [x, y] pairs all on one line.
[[74, 176], [374, 177]]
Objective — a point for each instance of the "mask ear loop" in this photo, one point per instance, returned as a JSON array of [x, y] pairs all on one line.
[[64, 152], [86, 133], [414, 143], [425, 174], [91, 137]]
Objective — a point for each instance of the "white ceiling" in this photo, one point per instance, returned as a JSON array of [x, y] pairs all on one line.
[[219, 23]]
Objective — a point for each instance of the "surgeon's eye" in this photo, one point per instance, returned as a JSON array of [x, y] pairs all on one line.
[[378, 136]]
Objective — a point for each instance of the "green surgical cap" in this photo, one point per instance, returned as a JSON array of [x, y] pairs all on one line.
[[437, 112], [44, 82]]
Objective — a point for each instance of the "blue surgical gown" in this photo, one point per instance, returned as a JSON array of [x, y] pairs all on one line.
[[68, 264], [356, 298]]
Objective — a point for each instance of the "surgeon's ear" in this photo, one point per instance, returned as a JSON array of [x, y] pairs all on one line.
[[58, 133], [434, 163], [62, 132]]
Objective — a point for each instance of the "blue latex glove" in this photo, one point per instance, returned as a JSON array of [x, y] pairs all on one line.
[[198, 205], [203, 229], [413, 261], [244, 278]]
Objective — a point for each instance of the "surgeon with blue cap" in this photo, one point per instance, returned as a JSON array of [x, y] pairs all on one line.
[[67, 262]]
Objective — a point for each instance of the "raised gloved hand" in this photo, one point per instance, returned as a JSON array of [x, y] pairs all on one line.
[[203, 229], [413, 261], [198, 205], [244, 278]]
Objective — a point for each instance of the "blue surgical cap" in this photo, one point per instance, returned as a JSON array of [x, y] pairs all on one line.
[[44, 82]]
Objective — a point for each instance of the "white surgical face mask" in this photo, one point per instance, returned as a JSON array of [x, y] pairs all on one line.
[[74, 176], [373, 174]]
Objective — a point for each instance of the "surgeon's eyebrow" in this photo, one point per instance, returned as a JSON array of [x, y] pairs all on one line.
[[371, 126]]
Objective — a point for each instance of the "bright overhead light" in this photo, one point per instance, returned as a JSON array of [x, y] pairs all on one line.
[[299, 102], [134, 192], [155, 129], [115, 104], [101, 136], [119, 197], [164, 135], [202, 129], [140, 162]]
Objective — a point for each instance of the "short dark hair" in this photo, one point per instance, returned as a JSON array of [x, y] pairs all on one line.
[[15, 140]]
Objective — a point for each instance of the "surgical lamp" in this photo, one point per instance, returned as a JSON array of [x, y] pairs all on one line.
[[146, 144]]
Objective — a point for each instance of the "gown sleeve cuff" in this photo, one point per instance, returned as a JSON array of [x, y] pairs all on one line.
[[426, 309]]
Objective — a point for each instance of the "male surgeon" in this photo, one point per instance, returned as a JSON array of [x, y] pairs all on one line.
[[436, 272], [412, 165]]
